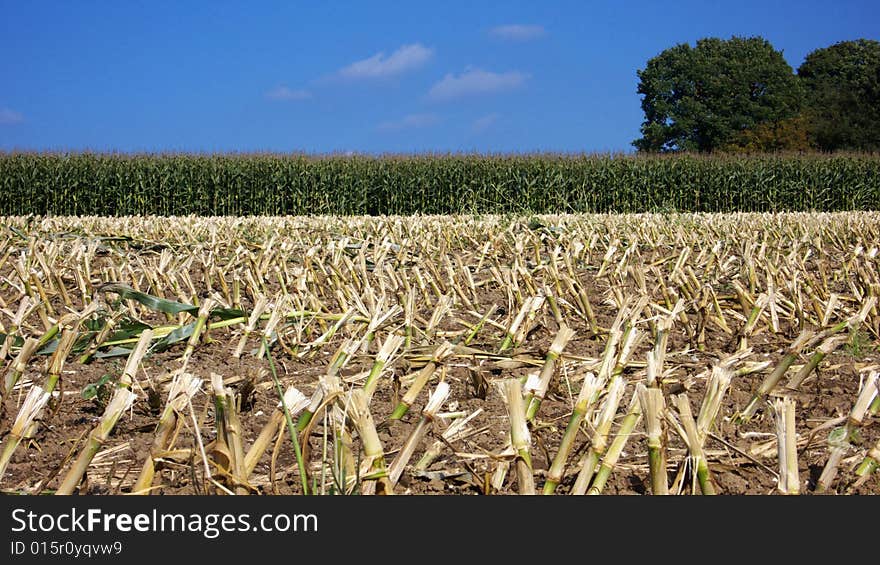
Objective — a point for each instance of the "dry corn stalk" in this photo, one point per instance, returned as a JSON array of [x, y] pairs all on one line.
[[691, 436], [654, 407], [421, 378], [520, 438], [120, 402], [456, 431], [789, 480], [429, 412], [33, 405], [259, 307], [633, 416], [18, 366], [228, 451], [562, 338], [183, 387], [376, 481], [296, 402], [805, 339], [599, 441], [840, 439], [389, 347], [521, 323]]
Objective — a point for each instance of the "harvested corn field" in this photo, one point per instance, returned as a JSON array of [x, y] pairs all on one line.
[[570, 354]]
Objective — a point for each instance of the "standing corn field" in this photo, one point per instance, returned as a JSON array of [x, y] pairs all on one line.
[[267, 184]]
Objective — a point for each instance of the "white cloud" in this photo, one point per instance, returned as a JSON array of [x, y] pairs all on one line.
[[485, 122], [406, 58], [411, 121], [285, 93], [517, 32], [475, 81], [9, 117]]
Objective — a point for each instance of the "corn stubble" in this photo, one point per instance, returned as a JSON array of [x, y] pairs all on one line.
[[613, 343]]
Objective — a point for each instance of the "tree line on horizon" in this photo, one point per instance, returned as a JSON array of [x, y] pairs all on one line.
[[740, 95]]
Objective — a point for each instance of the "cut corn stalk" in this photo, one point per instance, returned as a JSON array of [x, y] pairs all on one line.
[[377, 480], [825, 348], [183, 387], [840, 439], [562, 338], [17, 321], [657, 356], [296, 402], [228, 452], [389, 347], [586, 398], [869, 465], [122, 400], [56, 362], [19, 365], [520, 438], [805, 339], [633, 416], [752, 321], [203, 313], [527, 312], [259, 308], [33, 405], [694, 444], [837, 448], [716, 388], [420, 379], [599, 441], [456, 431], [654, 406], [435, 402], [100, 338], [786, 441]]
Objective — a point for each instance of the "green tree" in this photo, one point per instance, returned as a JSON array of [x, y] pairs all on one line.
[[842, 84], [788, 135], [702, 98]]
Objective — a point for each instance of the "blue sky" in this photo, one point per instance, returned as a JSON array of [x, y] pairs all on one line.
[[368, 77]]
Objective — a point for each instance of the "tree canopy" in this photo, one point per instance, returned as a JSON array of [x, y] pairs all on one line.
[[704, 98], [842, 84]]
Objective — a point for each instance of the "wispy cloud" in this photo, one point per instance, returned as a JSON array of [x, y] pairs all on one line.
[[475, 81], [518, 32], [285, 93], [412, 121], [483, 123], [406, 58], [9, 117]]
